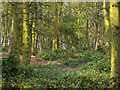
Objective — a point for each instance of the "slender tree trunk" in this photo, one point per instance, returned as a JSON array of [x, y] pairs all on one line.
[[79, 28], [59, 19], [40, 43], [103, 38], [4, 33], [68, 42], [36, 35], [53, 44], [107, 31], [11, 39], [97, 27], [60, 40], [33, 35], [97, 41], [87, 33], [33, 30], [36, 41], [92, 31], [0, 33]]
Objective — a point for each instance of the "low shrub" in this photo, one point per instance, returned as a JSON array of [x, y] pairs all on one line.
[[58, 53], [5, 49], [10, 65], [90, 55], [103, 65]]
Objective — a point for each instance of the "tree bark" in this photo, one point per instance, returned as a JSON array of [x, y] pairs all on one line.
[[25, 48], [114, 20], [107, 31], [11, 39]]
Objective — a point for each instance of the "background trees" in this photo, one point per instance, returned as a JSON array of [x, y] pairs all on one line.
[[59, 25]]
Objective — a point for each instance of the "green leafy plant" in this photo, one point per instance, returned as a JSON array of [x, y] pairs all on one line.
[[10, 65], [49, 55]]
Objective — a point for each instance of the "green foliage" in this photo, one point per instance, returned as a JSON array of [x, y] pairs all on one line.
[[71, 73], [38, 76], [10, 65], [101, 49], [73, 63], [49, 55], [90, 55], [69, 17], [5, 49], [96, 60]]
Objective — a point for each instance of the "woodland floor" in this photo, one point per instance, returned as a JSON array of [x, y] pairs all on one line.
[[63, 72], [41, 61]]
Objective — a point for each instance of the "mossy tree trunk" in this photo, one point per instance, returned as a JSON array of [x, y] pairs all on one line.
[[87, 31], [16, 32], [31, 17], [54, 45], [33, 29], [26, 38], [107, 29], [97, 26], [40, 43], [115, 31], [59, 20], [79, 33], [36, 34], [119, 50]]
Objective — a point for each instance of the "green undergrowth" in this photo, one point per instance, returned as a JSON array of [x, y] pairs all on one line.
[[10, 66], [90, 55], [37, 76], [58, 53], [5, 49], [71, 73]]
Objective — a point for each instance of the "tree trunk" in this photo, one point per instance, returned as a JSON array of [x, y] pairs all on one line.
[[107, 31], [25, 47], [16, 32], [33, 30], [36, 35], [87, 33], [36, 42], [40, 43], [53, 44], [11, 39], [114, 20], [79, 28], [4, 33]]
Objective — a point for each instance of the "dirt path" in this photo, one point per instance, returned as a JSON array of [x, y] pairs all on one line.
[[40, 61], [33, 59], [44, 62]]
